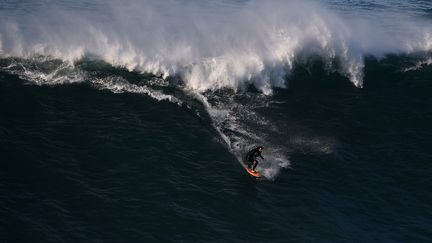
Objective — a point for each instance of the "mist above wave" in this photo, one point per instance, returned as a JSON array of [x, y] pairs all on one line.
[[209, 45]]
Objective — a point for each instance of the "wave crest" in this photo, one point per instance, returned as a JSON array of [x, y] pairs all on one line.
[[211, 45]]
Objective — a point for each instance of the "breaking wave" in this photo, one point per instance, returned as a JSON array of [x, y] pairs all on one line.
[[208, 50], [211, 45]]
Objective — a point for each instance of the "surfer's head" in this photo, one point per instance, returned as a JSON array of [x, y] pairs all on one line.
[[260, 148]]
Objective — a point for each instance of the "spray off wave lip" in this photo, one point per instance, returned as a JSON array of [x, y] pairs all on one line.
[[212, 45]]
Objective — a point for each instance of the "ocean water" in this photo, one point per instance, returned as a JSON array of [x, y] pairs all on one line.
[[128, 121]]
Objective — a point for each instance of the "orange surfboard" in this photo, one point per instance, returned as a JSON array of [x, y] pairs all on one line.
[[254, 174]]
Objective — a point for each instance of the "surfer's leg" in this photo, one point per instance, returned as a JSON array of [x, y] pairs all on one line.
[[250, 163], [254, 165]]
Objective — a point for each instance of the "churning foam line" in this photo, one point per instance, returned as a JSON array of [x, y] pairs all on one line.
[[120, 85], [53, 77], [67, 74], [419, 65]]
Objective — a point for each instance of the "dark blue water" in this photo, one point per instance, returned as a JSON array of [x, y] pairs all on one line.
[[108, 148]]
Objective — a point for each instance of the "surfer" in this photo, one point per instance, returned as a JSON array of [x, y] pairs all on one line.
[[252, 155]]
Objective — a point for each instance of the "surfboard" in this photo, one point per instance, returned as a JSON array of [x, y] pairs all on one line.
[[250, 172], [254, 174]]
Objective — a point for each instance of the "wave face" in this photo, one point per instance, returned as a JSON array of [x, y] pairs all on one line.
[[214, 52]]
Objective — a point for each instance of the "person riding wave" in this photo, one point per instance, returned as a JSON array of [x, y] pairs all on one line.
[[252, 155]]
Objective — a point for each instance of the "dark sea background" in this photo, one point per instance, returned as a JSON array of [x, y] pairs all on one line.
[[127, 121]]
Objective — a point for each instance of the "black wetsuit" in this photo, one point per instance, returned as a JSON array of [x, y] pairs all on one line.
[[251, 157]]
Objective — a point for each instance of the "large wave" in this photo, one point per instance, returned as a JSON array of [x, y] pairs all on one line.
[[214, 48]]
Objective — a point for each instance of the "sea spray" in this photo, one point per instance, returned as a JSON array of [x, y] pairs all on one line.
[[210, 45]]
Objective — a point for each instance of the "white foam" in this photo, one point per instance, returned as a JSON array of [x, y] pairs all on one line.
[[419, 65], [46, 71], [119, 85], [211, 44], [59, 73]]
